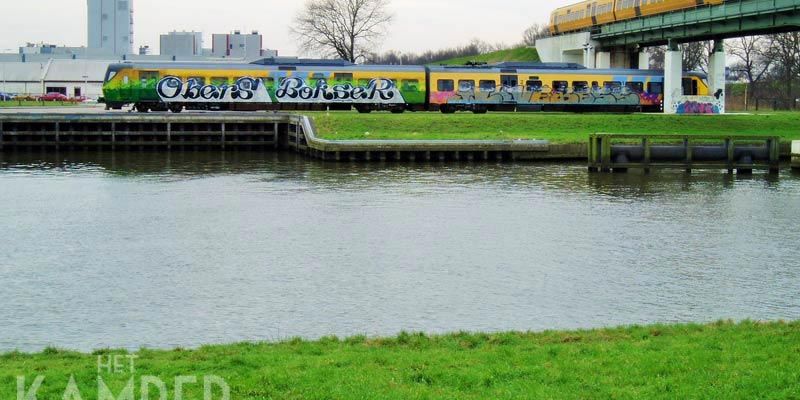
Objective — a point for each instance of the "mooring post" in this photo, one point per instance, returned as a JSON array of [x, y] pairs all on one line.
[[275, 131], [773, 145], [222, 128], [795, 154], [1, 135], [729, 149], [686, 145], [58, 138], [169, 135], [646, 147]]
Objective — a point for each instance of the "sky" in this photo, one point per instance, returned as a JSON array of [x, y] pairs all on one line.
[[418, 25]]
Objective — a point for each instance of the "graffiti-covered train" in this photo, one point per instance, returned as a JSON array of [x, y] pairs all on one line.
[[272, 84], [591, 13]]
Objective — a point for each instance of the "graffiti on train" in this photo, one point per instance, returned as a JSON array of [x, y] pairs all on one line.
[[545, 95], [174, 89], [380, 91]]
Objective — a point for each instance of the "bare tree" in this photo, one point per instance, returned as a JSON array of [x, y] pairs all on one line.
[[341, 28], [657, 56], [785, 53], [696, 55], [534, 33], [753, 61]]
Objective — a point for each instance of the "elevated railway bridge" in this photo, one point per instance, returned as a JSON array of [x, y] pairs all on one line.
[[622, 44]]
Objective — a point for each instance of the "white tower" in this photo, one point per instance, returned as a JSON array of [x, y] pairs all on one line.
[[111, 26]]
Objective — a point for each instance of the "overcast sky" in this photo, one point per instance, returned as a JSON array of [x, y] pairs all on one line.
[[419, 24]]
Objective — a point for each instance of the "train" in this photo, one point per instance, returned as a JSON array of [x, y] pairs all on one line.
[[593, 13], [299, 84]]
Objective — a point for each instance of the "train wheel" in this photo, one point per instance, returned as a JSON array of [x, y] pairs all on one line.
[[142, 108], [480, 110], [176, 108], [447, 109], [363, 109], [398, 110]]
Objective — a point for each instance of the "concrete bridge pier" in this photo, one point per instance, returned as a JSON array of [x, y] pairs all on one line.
[[716, 74], [673, 75], [796, 155]]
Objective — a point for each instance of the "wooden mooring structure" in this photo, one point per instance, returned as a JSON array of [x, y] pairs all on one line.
[[261, 131], [741, 153], [796, 155]]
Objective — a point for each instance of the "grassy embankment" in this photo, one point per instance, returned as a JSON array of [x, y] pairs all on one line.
[[717, 361], [556, 127], [522, 54], [25, 103]]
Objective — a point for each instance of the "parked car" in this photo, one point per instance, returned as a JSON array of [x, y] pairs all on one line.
[[24, 97], [6, 96], [53, 97]]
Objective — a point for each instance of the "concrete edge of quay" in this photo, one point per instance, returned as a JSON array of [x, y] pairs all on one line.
[[271, 130]]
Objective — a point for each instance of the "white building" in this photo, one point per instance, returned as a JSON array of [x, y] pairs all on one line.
[[181, 44], [74, 78], [111, 26], [238, 45]]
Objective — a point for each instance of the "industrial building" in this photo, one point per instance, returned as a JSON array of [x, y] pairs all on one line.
[[182, 44], [110, 26], [40, 68]]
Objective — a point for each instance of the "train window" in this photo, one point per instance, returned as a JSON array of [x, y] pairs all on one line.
[[580, 86], [445, 85], [655, 88], [219, 81], [612, 86], [148, 77], [636, 87], [560, 86], [488, 86], [533, 86], [466, 86], [509, 81], [199, 80], [410, 85], [689, 87], [343, 77]]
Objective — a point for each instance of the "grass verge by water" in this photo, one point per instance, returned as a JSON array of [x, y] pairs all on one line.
[[25, 103], [556, 127], [723, 360]]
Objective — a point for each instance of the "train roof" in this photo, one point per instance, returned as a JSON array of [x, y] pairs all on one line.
[[342, 65]]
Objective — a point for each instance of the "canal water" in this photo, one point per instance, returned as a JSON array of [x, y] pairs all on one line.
[[162, 250]]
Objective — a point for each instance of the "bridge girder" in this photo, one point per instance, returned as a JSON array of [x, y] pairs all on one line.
[[729, 20]]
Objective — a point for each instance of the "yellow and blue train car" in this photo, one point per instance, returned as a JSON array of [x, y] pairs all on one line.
[[569, 87], [591, 13]]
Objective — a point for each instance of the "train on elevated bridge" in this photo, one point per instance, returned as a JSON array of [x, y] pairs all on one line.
[[589, 14]]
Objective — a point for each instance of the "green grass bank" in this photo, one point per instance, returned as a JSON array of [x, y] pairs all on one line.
[[521, 54], [556, 127], [723, 360]]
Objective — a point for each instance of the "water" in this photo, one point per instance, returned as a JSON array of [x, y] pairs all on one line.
[[158, 250]]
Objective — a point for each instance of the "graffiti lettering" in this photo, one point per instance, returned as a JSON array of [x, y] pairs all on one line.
[[173, 89], [295, 90]]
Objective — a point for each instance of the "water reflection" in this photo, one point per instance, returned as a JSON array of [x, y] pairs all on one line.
[[184, 249]]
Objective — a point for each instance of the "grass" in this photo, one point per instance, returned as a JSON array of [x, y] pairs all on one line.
[[527, 54], [725, 360], [25, 103], [556, 127]]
